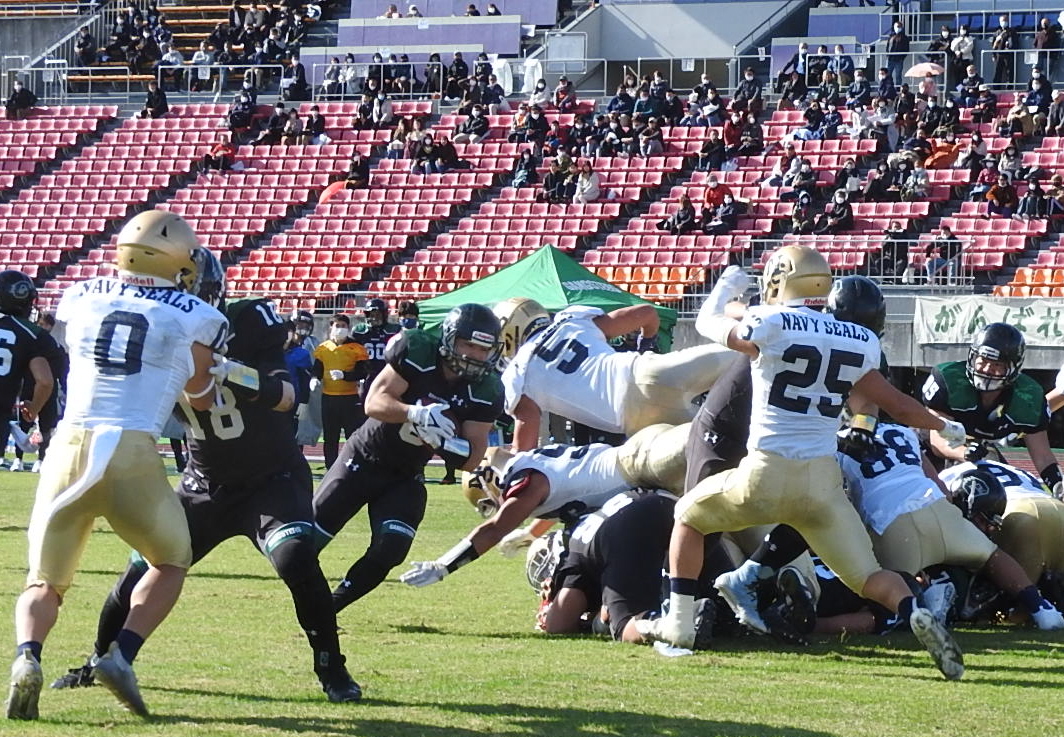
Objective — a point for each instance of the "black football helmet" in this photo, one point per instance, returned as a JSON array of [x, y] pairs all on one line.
[[304, 322], [17, 293], [477, 324], [980, 497], [997, 341], [859, 300], [376, 312], [209, 284]]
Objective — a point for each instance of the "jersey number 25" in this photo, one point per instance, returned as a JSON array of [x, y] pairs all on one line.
[[827, 386]]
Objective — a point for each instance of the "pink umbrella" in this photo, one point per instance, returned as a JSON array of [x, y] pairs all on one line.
[[922, 69]]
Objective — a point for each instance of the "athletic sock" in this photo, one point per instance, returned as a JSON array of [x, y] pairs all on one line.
[[129, 643], [1030, 598], [33, 647]]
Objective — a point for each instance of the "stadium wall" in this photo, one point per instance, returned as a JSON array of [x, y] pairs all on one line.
[[28, 36]]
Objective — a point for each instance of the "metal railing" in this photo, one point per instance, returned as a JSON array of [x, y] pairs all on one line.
[[41, 8], [352, 78], [99, 24], [220, 78], [1022, 61]]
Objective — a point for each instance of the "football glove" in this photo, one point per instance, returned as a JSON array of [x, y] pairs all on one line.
[[512, 544], [315, 383], [226, 370], [731, 285], [424, 573], [647, 345], [975, 451], [1058, 491], [858, 439], [430, 424], [336, 375], [953, 433]]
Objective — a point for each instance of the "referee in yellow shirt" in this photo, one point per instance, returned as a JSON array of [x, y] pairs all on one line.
[[339, 363]]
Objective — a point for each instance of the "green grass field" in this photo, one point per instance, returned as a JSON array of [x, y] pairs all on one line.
[[460, 658]]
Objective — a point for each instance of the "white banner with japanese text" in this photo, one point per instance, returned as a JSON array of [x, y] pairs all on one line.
[[939, 320]]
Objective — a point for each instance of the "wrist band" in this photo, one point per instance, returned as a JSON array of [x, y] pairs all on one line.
[[206, 390]]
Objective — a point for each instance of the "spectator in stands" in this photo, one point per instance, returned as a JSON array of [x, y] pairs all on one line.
[[905, 109], [818, 62], [588, 185], [236, 15], [785, 169], [1037, 103], [984, 109], [294, 85], [524, 171], [621, 102], [537, 126], [413, 12], [796, 64], [837, 216], [1030, 205], [274, 129], [916, 185], [553, 189], [21, 101], [85, 47], [1054, 201], [949, 121], [842, 65], [561, 91], [415, 137], [447, 157], [142, 51], [897, 52], [732, 131], [569, 102], [1055, 116], [221, 156], [672, 109], [224, 59], [424, 159], [239, 115], [171, 65], [471, 10], [357, 176], [860, 92], [556, 140], [1001, 199], [693, 117], [362, 119], [292, 133], [942, 255], [155, 106], [985, 179], [314, 128], [916, 148], [886, 89], [700, 92], [652, 140], [658, 86], [201, 72], [474, 128], [1047, 41], [579, 138], [540, 95], [939, 52], [803, 181], [927, 89], [972, 154], [893, 258], [398, 138], [944, 152], [803, 219], [1017, 122], [751, 139], [1006, 41], [828, 93], [748, 93], [493, 96], [682, 219], [725, 219], [713, 196], [492, 10], [391, 12], [220, 36], [884, 129], [859, 125], [433, 74], [711, 155], [969, 87], [1010, 163], [646, 105], [382, 115], [963, 48], [792, 92], [1037, 74], [849, 179], [878, 187]]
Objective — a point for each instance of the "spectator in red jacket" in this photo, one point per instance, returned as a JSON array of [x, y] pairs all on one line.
[[222, 155], [714, 197]]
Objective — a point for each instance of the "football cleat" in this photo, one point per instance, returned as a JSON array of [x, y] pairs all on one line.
[[26, 682], [1047, 617], [668, 629], [16, 465], [793, 615], [80, 677], [938, 599], [36, 467], [341, 688], [939, 643], [113, 672], [739, 589], [705, 618]]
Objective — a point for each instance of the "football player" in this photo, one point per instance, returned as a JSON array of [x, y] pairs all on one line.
[[246, 477], [304, 322], [374, 336], [59, 365], [804, 365], [136, 341], [559, 482], [24, 352], [913, 525], [433, 396], [567, 366], [1032, 525], [991, 396], [339, 364], [1055, 397]]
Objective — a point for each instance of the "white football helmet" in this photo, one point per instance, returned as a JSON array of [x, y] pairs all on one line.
[[542, 559], [796, 276], [521, 318]]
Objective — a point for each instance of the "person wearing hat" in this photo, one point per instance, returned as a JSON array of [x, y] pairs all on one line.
[[985, 107]]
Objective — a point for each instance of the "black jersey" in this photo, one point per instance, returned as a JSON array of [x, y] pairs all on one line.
[[415, 355], [238, 439], [374, 338], [58, 362], [20, 342], [1021, 408], [722, 425]]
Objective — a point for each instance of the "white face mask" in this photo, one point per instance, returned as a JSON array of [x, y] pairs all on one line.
[[338, 333], [749, 77], [897, 29], [945, 34], [840, 199]]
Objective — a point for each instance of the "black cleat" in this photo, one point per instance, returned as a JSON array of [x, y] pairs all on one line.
[[793, 615], [705, 619], [341, 688], [80, 677]]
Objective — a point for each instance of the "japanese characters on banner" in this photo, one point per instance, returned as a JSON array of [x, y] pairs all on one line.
[[955, 320]]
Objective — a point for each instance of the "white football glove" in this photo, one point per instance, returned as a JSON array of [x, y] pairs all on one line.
[[1058, 490], [514, 541], [430, 424], [336, 375], [730, 286], [424, 573], [1047, 617], [315, 382], [953, 433]]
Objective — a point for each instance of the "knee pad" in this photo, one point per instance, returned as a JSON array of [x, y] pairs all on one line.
[[392, 543], [291, 550]]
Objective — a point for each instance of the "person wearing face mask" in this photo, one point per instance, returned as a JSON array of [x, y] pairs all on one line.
[[1005, 40], [945, 152], [299, 363], [928, 88], [842, 65], [155, 106], [1055, 116], [540, 95], [646, 105], [537, 127], [828, 92], [383, 114], [848, 178], [672, 109], [1018, 121], [893, 257], [796, 64], [968, 88], [916, 184], [424, 159], [883, 129], [711, 155], [473, 129], [963, 48], [732, 131], [803, 182], [621, 102], [886, 89], [984, 109], [1031, 204], [860, 92], [897, 52], [950, 122], [702, 89], [837, 217], [682, 220], [409, 315], [803, 218], [747, 95], [931, 117], [1039, 75], [1047, 40], [239, 115], [938, 51], [274, 129], [877, 188], [714, 196], [339, 364], [792, 92], [725, 219], [1037, 102]]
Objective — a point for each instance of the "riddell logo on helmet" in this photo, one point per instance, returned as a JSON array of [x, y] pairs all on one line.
[[481, 338]]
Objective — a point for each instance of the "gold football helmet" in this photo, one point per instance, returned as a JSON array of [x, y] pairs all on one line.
[[156, 248], [521, 318], [796, 276], [482, 486]]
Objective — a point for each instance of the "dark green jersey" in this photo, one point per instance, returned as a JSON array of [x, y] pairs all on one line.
[[415, 355], [1021, 408], [20, 342]]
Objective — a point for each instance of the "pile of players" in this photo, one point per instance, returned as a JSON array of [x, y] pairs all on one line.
[[759, 461]]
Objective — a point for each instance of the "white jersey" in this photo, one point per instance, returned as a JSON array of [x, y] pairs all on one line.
[[808, 362], [570, 369], [1017, 482], [891, 482], [581, 477], [130, 351]]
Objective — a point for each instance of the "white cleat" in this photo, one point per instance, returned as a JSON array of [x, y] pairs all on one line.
[[117, 675], [939, 643], [26, 682], [669, 630], [1048, 618], [16, 465], [740, 591], [36, 467], [938, 598]]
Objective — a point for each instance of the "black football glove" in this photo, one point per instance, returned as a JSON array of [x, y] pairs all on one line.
[[976, 451], [858, 439]]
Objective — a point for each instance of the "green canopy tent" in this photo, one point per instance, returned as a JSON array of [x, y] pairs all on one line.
[[553, 279]]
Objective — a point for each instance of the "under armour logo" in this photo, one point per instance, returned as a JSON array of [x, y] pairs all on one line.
[[351, 466]]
